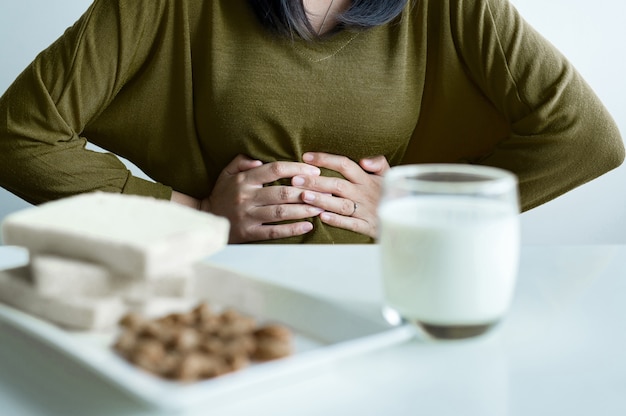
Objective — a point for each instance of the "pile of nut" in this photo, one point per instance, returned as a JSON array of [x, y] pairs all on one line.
[[200, 344]]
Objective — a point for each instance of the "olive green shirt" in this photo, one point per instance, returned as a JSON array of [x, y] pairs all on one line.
[[180, 87]]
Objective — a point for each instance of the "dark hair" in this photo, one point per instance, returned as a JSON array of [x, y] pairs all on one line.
[[289, 16]]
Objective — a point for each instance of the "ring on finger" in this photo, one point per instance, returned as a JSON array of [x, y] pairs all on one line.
[[355, 207]]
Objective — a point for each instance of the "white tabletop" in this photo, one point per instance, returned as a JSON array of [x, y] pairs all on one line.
[[561, 351]]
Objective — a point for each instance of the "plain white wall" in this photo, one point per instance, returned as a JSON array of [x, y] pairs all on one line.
[[591, 35]]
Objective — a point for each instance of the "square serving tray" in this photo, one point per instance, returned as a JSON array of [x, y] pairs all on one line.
[[324, 332]]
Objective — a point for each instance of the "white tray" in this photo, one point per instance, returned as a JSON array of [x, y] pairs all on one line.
[[324, 332]]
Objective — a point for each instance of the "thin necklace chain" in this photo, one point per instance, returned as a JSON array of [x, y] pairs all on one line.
[[325, 17]]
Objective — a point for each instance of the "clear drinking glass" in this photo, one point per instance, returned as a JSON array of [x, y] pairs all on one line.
[[450, 242]]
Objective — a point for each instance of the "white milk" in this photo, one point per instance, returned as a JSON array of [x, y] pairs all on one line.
[[449, 260]]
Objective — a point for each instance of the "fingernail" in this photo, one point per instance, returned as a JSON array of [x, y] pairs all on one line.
[[307, 157], [325, 216], [297, 181], [308, 196], [313, 171], [307, 226]]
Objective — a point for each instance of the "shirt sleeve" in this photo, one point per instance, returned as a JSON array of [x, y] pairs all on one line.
[[561, 134], [42, 114]]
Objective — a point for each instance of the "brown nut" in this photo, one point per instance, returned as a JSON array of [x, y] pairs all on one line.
[[209, 325], [185, 339], [170, 364], [271, 349], [238, 362], [167, 334], [195, 366], [190, 367], [168, 320], [125, 343], [151, 329], [234, 327], [203, 312], [273, 331], [148, 354], [214, 366], [242, 345], [185, 319], [212, 345], [132, 320], [229, 315]]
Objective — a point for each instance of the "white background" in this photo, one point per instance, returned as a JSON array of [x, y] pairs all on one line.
[[590, 34]]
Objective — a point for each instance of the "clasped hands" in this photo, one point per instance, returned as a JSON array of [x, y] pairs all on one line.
[[254, 209]]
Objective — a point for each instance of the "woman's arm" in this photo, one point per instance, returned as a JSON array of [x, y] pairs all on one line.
[[43, 113], [561, 134]]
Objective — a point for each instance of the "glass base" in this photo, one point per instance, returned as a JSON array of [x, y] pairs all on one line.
[[438, 331], [455, 331]]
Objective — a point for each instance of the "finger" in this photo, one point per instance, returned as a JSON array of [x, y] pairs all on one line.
[[347, 223], [274, 171], [273, 195], [272, 232], [330, 203], [377, 165], [241, 163], [284, 212], [347, 167], [325, 184]]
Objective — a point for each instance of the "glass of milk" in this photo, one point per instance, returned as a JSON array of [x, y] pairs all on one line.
[[449, 237]]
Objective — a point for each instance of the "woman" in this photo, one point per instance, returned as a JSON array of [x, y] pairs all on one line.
[[282, 115]]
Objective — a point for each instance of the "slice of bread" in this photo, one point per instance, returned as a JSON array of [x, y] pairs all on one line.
[[82, 313], [59, 276], [131, 235]]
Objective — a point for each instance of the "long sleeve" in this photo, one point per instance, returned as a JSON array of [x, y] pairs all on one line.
[[44, 112], [561, 134]]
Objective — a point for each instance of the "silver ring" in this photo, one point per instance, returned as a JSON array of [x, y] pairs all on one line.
[[355, 207]]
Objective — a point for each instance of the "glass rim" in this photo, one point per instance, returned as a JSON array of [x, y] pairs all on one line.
[[455, 178]]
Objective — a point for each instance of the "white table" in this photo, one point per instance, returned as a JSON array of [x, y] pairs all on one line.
[[561, 351]]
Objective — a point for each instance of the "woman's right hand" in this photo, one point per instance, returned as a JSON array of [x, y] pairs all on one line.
[[240, 195]]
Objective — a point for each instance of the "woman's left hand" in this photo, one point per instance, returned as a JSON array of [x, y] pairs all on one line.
[[348, 203]]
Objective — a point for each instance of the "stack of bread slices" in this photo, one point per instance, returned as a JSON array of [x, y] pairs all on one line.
[[94, 257]]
